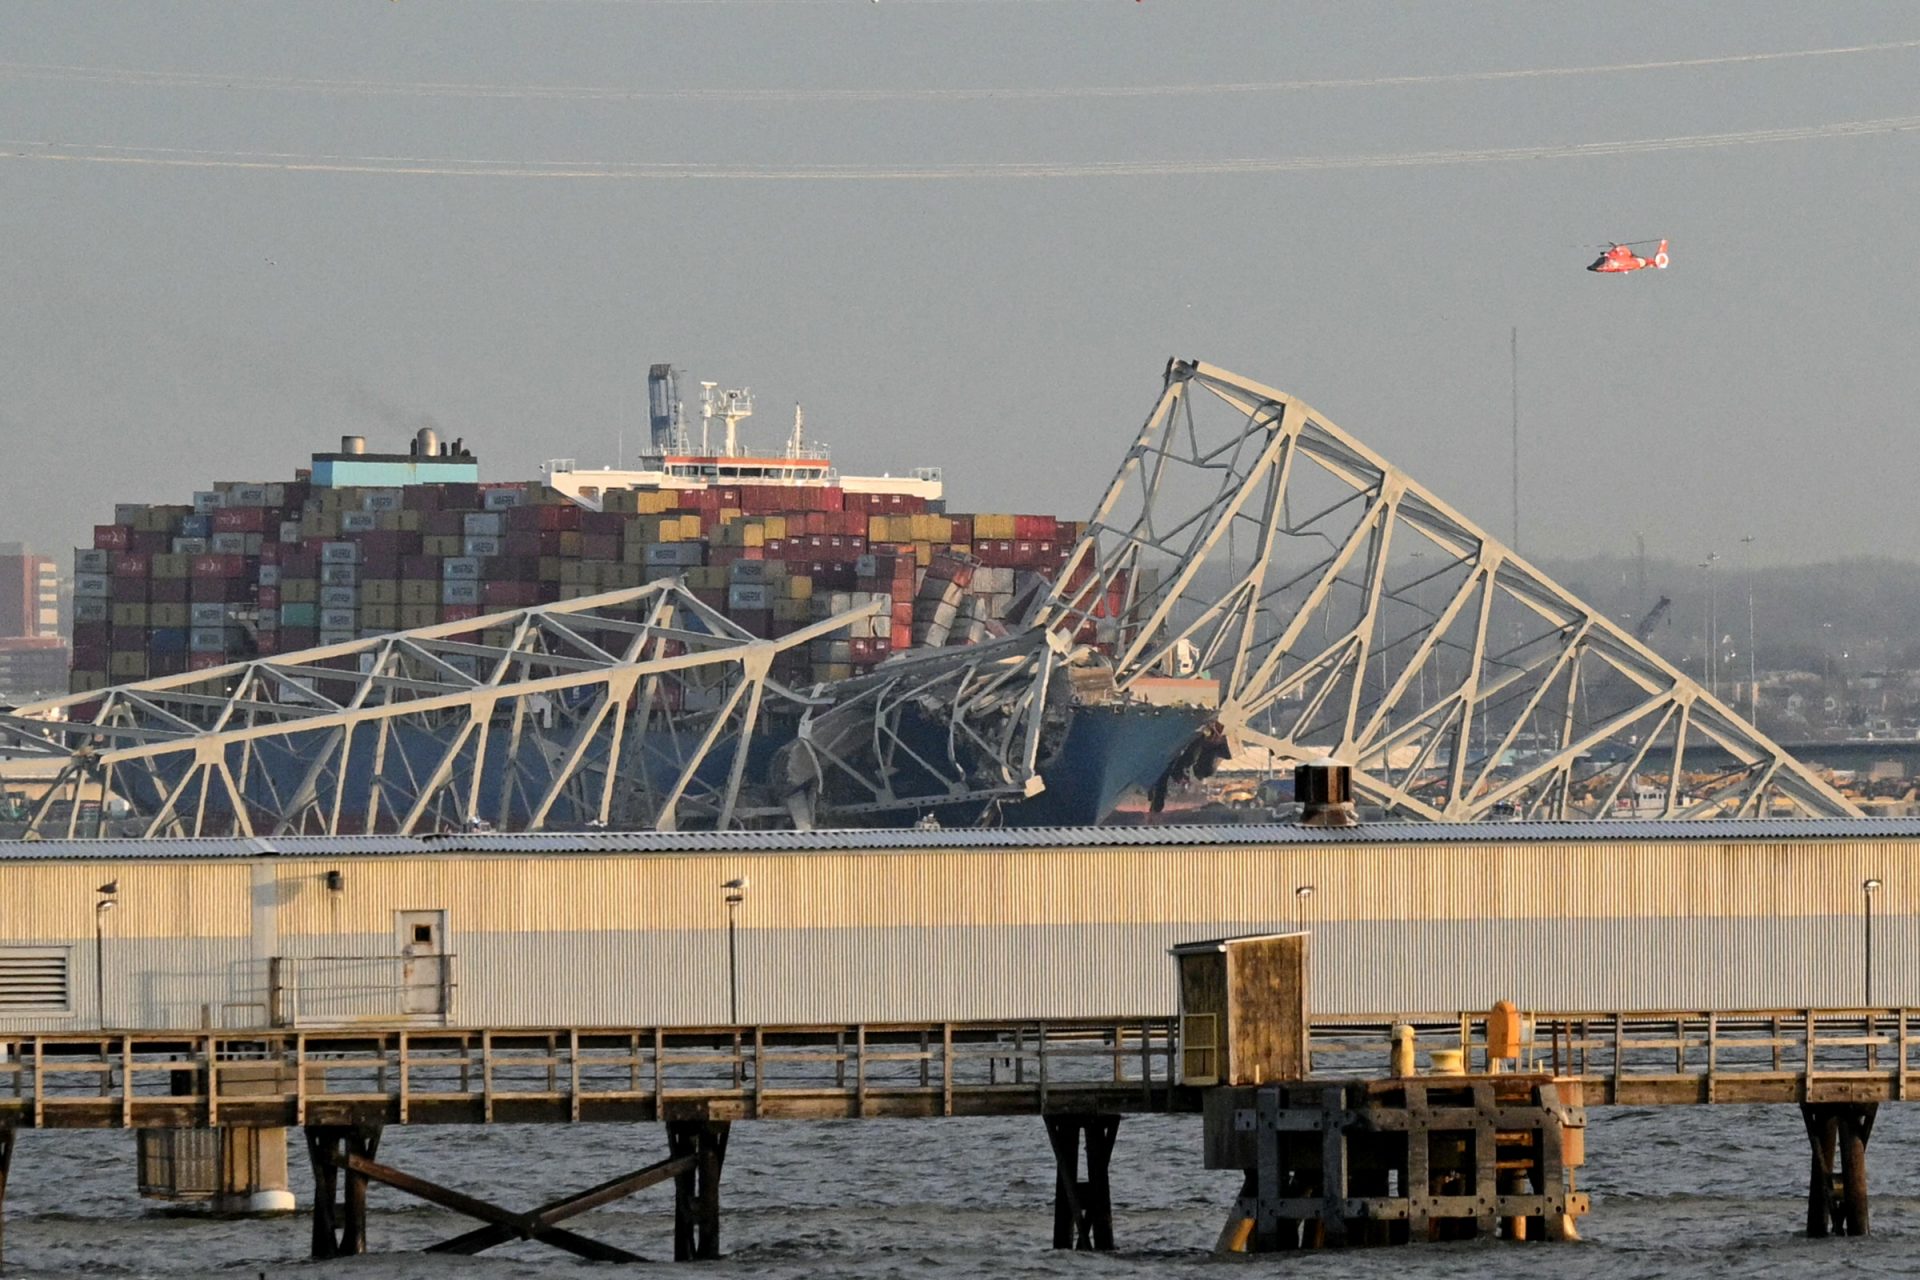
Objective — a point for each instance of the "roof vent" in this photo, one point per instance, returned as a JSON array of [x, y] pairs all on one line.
[[1324, 789]]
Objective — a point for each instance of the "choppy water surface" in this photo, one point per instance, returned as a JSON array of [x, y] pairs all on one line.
[[1677, 1193]]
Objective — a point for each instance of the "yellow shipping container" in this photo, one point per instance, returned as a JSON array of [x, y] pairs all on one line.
[[420, 591], [635, 553], [800, 587], [443, 544], [86, 681], [789, 610], [923, 554], [618, 501], [577, 591], [128, 666], [570, 542], [752, 535], [993, 526], [299, 591], [776, 526], [380, 617], [169, 615], [380, 591], [497, 637], [550, 567], [169, 565], [130, 615], [419, 615]]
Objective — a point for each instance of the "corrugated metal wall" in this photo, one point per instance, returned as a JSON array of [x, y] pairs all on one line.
[[641, 938]]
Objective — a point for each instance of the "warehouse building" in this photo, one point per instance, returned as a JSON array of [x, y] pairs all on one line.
[[633, 928]]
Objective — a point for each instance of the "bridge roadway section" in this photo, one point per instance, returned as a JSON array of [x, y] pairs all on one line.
[[342, 1086]]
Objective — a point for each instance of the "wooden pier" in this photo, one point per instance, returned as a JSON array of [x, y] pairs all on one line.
[[343, 1086]]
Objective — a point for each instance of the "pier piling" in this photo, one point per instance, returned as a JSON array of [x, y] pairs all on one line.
[[1838, 1205], [6, 1166], [696, 1188], [1082, 1208]]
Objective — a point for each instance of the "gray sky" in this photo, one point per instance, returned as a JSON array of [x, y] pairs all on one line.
[[894, 214]]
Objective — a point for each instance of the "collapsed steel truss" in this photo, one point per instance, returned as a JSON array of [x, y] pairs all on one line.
[[629, 708], [995, 712], [1347, 611]]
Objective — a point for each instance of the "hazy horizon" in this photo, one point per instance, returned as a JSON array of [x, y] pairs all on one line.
[[969, 233]]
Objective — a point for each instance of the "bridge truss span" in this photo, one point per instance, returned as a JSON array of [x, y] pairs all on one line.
[[1347, 611]]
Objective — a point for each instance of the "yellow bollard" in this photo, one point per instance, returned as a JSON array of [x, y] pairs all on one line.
[[1404, 1063], [1447, 1062]]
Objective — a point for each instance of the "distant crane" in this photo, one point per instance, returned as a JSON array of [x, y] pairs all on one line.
[[1652, 620]]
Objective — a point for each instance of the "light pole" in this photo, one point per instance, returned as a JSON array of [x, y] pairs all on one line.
[[108, 901], [1753, 658], [736, 893], [1866, 901], [1302, 897]]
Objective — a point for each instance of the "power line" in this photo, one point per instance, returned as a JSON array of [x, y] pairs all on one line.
[[630, 171], [607, 93]]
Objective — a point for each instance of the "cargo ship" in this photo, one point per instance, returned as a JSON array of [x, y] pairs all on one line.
[[363, 543]]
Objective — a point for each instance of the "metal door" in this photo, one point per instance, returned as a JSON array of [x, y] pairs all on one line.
[[422, 936]]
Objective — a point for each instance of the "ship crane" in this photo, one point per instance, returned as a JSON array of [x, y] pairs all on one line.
[[1652, 620]]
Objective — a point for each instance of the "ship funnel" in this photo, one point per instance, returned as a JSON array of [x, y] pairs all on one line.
[[426, 442], [353, 444], [1324, 789]]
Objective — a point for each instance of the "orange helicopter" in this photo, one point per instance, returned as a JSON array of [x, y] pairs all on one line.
[[1621, 257]]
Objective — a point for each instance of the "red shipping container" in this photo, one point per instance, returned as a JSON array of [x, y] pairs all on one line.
[[522, 568], [220, 590], [379, 564], [131, 564], [399, 542], [294, 638], [218, 566], [459, 497], [902, 635], [603, 522], [92, 656], [458, 612], [170, 590], [167, 664], [241, 520], [599, 546], [421, 497], [420, 568], [542, 519], [270, 552], [207, 661], [446, 524], [268, 642], [510, 594], [111, 537], [269, 597]]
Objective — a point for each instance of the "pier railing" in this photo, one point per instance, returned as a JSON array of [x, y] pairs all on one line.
[[1678, 1057], [431, 1075]]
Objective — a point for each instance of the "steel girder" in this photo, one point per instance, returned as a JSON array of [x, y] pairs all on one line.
[[1347, 611], [633, 708], [964, 726]]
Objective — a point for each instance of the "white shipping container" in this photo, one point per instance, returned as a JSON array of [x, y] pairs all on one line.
[[207, 615], [269, 575], [339, 553], [94, 585], [337, 635], [207, 640], [382, 500], [484, 524], [290, 531], [502, 499], [462, 567], [358, 522], [206, 502], [339, 575], [91, 560], [91, 611], [128, 512], [190, 546], [460, 591], [247, 495], [339, 597], [228, 544], [481, 546], [748, 595], [339, 619]]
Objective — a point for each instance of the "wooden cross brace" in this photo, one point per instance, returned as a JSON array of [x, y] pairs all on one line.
[[504, 1225]]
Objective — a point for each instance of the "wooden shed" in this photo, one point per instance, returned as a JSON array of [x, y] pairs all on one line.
[[1243, 1009]]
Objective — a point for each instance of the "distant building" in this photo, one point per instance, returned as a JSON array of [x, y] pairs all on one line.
[[32, 667], [29, 593]]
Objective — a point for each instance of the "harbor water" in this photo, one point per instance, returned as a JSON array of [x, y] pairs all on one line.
[[1677, 1192]]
